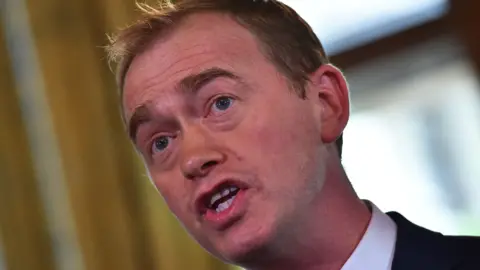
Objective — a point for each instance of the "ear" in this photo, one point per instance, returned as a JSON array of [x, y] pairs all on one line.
[[328, 92]]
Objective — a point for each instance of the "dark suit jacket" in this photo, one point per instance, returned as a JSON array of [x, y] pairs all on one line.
[[420, 249]]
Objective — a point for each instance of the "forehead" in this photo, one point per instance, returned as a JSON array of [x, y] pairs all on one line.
[[200, 42]]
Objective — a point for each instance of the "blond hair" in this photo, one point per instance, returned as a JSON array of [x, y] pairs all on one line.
[[284, 37]]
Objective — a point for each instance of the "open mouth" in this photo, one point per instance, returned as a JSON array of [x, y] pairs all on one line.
[[222, 198]]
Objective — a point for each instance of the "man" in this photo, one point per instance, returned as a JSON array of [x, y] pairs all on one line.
[[238, 117]]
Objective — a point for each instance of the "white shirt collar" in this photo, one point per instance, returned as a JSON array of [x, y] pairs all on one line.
[[377, 246]]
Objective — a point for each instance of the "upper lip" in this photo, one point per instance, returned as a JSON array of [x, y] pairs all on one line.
[[205, 192]]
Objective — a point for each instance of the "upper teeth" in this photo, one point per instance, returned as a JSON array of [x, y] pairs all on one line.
[[224, 192]]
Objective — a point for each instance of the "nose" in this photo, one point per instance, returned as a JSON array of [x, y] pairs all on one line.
[[200, 156]]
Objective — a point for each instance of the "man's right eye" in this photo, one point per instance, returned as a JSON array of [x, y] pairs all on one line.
[[160, 144]]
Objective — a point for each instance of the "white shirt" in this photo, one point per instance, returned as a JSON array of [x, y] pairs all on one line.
[[377, 246]]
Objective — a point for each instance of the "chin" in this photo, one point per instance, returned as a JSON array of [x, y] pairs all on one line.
[[244, 244]]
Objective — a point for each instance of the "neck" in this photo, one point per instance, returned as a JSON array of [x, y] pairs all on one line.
[[329, 233]]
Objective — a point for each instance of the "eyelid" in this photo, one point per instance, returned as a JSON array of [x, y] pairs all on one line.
[[214, 99], [151, 141]]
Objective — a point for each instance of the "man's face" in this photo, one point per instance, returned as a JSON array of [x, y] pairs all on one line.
[[235, 153]]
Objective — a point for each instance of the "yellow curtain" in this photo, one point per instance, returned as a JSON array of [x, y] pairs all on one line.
[[19, 200], [73, 194]]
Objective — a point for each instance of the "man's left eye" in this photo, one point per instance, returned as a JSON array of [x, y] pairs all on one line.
[[222, 104]]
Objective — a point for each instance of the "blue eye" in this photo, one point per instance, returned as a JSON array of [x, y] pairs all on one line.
[[222, 103], [160, 144]]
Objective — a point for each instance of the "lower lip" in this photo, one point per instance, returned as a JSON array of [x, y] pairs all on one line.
[[227, 217]]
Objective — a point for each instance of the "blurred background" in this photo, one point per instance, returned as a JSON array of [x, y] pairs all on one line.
[[73, 195]]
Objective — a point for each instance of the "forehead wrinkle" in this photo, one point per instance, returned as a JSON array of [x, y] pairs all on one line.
[[194, 34], [155, 82], [154, 78], [156, 85], [157, 89], [229, 44]]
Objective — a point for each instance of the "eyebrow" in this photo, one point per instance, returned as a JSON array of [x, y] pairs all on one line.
[[193, 83], [140, 116], [189, 85]]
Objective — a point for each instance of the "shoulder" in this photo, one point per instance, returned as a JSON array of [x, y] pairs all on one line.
[[432, 250]]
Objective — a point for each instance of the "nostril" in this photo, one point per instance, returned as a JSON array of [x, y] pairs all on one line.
[[199, 164], [206, 166]]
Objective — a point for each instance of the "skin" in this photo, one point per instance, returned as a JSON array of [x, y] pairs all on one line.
[[300, 211]]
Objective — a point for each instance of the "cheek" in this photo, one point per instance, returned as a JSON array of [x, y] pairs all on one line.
[[289, 158], [282, 144], [287, 135], [174, 194]]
